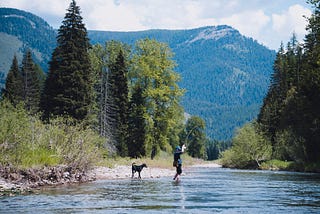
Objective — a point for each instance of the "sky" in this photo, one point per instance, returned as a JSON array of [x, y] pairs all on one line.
[[270, 22]]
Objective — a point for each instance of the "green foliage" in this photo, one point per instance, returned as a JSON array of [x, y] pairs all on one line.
[[69, 88], [39, 157], [223, 62], [152, 71], [215, 148], [14, 84], [249, 148], [110, 65], [26, 142], [98, 56], [25, 85], [277, 165], [31, 83], [194, 137], [226, 60], [23, 31], [118, 82], [14, 132], [77, 145], [290, 114], [137, 125]]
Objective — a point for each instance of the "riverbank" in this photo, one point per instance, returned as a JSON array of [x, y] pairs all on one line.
[[14, 182], [122, 171], [22, 181]]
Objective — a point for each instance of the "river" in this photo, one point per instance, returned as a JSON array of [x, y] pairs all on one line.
[[201, 190]]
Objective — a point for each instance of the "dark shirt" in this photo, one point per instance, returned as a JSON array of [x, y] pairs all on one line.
[[177, 157]]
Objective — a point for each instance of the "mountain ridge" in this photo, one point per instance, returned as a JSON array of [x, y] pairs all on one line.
[[225, 74]]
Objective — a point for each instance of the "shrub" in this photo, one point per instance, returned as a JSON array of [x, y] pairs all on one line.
[[26, 142], [249, 148], [276, 165]]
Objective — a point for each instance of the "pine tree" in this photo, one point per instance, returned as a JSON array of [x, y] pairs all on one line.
[[279, 109], [308, 127], [118, 81], [137, 125], [291, 109], [31, 83], [14, 84], [69, 87], [269, 115]]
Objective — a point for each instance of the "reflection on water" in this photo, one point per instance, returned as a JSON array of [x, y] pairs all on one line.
[[204, 190]]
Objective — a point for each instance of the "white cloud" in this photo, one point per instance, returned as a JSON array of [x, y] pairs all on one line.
[[249, 23], [291, 20], [110, 16], [44, 6], [269, 22]]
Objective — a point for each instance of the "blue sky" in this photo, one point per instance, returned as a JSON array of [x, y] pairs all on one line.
[[268, 21]]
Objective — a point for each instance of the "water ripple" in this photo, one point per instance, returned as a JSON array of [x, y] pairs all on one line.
[[203, 190]]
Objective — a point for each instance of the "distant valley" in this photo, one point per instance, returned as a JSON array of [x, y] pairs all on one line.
[[225, 74]]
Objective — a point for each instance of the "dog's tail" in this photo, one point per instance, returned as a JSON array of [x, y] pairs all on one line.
[[133, 163]]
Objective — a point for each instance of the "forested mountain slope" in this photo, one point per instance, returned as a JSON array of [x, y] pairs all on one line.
[[20, 30], [225, 74]]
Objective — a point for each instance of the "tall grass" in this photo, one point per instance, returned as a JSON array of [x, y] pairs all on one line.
[[27, 142]]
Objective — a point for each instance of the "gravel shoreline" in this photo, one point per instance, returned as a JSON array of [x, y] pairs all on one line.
[[24, 182], [121, 172]]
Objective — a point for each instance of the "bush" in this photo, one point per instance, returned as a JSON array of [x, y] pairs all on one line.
[[27, 142], [77, 146], [249, 149], [277, 165]]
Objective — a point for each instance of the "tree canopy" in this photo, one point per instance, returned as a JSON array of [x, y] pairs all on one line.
[[69, 87]]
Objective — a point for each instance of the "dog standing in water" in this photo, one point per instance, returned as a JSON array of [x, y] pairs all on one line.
[[137, 168]]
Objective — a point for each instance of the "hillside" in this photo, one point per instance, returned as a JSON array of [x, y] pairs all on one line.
[[225, 74], [20, 30]]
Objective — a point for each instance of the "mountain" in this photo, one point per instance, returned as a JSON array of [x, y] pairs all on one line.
[[19, 31], [225, 74]]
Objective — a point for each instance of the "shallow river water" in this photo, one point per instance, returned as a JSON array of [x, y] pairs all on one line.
[[201, 190]]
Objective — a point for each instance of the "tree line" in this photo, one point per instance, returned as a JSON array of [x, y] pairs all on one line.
[[130, 97], [287, 127], [24, 84]]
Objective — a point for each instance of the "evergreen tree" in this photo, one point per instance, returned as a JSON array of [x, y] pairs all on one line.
[[137, 124], [279, 109], [269, 115], [69, 86], [118, 74], [308, 105], [14, 84], [215, 148], [31, 83], [290, 113]]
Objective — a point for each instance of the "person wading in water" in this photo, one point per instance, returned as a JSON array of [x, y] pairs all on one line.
[[177, 161]]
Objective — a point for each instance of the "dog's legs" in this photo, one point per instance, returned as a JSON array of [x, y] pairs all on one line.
[[139, 175]]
